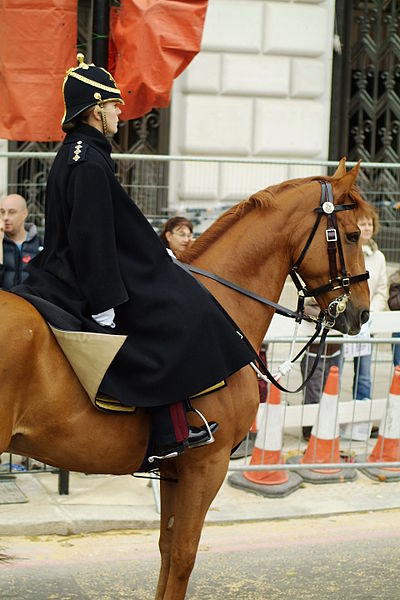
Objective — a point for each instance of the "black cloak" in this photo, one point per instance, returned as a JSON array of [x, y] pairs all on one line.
[[100, 252]]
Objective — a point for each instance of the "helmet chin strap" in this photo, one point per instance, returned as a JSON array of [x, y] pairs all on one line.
[[104, 120], [100, 105]]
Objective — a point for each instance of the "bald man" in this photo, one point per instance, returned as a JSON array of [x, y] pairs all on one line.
[[19, 241]]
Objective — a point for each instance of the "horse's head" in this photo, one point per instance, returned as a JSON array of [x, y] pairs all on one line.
[[330, 259]]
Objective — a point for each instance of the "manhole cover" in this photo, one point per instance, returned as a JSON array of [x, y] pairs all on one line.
[[10, 493]]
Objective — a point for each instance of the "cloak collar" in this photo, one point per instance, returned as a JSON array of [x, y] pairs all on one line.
[[92, 137]]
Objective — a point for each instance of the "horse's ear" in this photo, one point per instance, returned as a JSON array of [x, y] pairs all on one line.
[[345, 183], [341, 170]]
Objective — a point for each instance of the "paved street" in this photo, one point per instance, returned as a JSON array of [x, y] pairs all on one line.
[[352, 557]]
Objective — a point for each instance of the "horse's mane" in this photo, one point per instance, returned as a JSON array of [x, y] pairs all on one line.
[[262, 199], [267, 198]]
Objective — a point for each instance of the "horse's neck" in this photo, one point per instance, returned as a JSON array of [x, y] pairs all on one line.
[[253, 255]]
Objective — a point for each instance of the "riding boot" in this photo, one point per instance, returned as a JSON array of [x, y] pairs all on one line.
[[200, 436], [172, 432]]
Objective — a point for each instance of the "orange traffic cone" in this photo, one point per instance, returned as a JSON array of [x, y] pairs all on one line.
[[387, 448], [323, 447], [268, 451], [247, 445]]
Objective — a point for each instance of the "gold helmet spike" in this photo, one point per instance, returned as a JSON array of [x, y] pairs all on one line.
[[81, 61]]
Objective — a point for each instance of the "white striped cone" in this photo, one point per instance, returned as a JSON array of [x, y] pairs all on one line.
[[268, 444], [387, 447], [323, 446]]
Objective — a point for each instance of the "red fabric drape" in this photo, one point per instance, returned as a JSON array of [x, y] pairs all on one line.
[[151, 43], [37, 46]]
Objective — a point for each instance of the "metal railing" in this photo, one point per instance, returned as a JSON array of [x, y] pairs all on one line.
[[201, 188]]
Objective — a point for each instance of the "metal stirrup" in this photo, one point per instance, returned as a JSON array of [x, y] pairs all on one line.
[[202, 417]]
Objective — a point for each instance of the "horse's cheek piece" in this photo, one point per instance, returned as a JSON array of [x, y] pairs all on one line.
[[338, 280]]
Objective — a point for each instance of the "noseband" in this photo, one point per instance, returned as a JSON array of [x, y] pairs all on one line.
[[339, 280]]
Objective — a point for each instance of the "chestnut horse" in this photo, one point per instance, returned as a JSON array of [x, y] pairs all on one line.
[[46, 414]]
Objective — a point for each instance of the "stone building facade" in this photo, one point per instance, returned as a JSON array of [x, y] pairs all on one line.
[[259, 88]]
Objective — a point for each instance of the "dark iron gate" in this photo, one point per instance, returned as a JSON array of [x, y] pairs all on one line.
[[365, 111]]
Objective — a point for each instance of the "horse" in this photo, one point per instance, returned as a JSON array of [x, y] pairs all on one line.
[[46, 414]]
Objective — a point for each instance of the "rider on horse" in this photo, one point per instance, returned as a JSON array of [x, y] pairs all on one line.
[[104, 270]]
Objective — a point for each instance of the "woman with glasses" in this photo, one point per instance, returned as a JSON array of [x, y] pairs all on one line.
[[177, 235]]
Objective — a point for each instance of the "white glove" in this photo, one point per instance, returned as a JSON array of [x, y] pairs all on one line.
[[105, 318]]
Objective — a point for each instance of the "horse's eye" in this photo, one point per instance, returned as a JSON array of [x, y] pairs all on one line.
[[353, 237]]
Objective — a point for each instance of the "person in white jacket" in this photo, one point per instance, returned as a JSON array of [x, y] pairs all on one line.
[[375, 263]]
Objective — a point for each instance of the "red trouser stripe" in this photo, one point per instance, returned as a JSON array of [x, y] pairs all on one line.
[[179, 421]]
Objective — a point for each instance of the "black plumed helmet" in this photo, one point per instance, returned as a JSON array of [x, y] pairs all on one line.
[[85, 86]]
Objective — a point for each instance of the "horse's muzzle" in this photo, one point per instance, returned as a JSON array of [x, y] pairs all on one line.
[[351, 319]]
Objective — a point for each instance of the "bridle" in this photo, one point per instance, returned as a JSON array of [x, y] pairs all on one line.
[[339, 280]]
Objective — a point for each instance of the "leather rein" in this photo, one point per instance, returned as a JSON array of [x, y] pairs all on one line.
[[339, 280]]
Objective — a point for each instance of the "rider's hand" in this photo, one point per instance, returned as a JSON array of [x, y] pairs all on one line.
[[105, 318]]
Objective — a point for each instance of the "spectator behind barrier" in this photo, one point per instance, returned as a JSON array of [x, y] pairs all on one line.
[[177, 235], [375, 263], [19, 241], [394, 304]]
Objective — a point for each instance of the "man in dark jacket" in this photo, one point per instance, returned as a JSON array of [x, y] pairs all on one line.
[[19, 241], [104, 269]]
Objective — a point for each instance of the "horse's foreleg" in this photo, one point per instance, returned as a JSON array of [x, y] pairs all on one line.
[[168, 489], [199, 480]]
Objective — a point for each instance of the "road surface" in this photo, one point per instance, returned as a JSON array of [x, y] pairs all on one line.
[[346, 557]]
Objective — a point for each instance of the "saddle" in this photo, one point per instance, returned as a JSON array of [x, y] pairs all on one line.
[[111, 405], [90, 355]]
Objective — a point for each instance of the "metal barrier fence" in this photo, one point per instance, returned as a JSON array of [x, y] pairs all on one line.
[[201, 188], [12, 464], [355, 444]]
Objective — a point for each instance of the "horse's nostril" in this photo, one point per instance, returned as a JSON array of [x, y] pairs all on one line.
[[364, 317]]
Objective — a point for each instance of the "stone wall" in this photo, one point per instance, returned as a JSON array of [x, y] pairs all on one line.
[[261, 88]]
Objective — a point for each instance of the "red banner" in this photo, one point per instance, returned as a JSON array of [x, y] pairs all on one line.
[[37, 46], [151, 43]]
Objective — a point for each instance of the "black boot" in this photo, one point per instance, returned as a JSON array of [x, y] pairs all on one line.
[[198, 436], [201, 436], [167, 424]]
